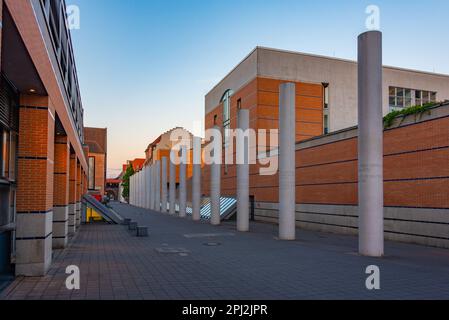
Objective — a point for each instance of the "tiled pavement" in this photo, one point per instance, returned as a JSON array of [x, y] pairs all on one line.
[[115, 264]]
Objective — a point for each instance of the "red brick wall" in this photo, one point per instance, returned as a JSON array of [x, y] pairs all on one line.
[[72, 179], [261, 97], [416, 169], [61, 174], [35, 155]]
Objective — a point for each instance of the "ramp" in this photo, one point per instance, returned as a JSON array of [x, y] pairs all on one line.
[[109, 215], [228, 207]]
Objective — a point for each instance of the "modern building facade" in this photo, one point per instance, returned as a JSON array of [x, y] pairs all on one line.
[[43, 164], [97, 141], [327, 90], [416, 196]]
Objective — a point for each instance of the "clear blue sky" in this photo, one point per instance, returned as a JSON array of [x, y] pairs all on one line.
[[144, 66]]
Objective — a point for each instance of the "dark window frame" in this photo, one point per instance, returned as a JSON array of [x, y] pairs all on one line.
[[91, 174]]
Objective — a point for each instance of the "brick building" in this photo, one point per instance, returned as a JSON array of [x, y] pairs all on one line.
[[97, 141], [43, 163], [416, 184], [162, 146]]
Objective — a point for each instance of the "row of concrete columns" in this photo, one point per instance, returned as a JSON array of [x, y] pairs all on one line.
[[371, 239]]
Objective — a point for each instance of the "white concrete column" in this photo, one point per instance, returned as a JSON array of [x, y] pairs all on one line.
[[215, 183], [133, 177], [164, 185], [371, 198], [130, 190], [148, 189], [196, 179], [140, 188], [287, 165], [157, 181], [242, 171], [137, 189], [183, 183], [172, 186], [144, 187], [151, 182]]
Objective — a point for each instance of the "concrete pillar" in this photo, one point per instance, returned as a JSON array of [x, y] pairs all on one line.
[[141, 191], [148, 187], [243, 172], [215, 182], [157, 181], [153, 188], [72, 194], [138, 189], [287, 165], [371, 199], [61, 193], [130, 195], [35, 173], [164, 185], [131, 191], [196, 180], [172, 186], [183, 183]]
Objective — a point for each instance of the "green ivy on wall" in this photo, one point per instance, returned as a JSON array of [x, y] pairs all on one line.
[[415, 110]]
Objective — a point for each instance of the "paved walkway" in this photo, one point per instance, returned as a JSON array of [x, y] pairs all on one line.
[[186, 260]]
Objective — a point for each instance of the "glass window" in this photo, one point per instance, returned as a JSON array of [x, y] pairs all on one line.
[[425, 98], [12, 156], [403, 98], [4, 205], [433, 97], [326, 97], [226, 100], [91, 173], [326, 124], [4, 169], [408, 98]]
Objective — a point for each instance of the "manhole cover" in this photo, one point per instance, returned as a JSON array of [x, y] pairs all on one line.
[[212, 244], [209, 235], [168, 250]]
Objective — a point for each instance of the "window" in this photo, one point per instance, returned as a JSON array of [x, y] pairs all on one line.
[[12, 156], [91, 173], [423, 97], [4, 160], [400, 98], [226, 100], [325, 108]]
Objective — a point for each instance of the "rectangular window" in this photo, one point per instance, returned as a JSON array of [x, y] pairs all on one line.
[[326, 124], [4, 161], [326, 108], [12, 156], [91, 173], [400, 98]]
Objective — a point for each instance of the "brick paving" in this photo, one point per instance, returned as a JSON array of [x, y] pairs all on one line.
[[183, 260]]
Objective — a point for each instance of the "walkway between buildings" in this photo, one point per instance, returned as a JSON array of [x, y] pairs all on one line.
[[186, 260]]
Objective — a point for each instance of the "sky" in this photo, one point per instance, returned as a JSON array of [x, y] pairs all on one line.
[[145, 66]]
